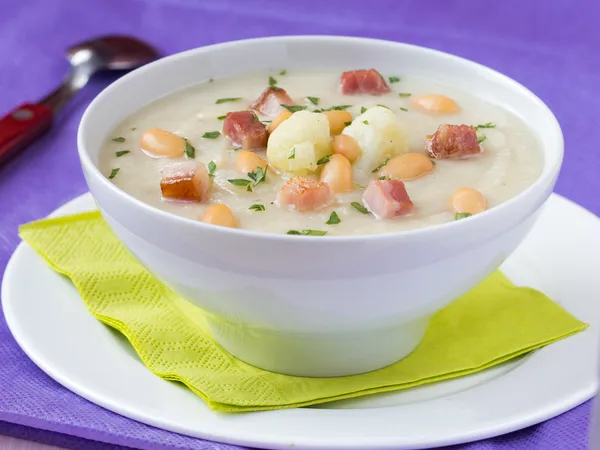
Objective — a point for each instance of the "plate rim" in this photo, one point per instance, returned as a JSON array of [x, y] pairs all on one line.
[[275, 441]]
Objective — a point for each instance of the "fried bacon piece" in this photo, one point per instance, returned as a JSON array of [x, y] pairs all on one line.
[[187, 181], [363, 82], [387, 198], [245, 130], [302, 194], [270, 101], [453, 141]]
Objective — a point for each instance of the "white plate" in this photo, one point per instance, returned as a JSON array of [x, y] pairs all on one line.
[[561, 257]]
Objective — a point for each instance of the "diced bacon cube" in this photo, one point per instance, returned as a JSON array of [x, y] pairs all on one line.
[[245, 130], [387, 198], [270, 101], [363, 82], [187, 181], [303, 194], [453, 141]]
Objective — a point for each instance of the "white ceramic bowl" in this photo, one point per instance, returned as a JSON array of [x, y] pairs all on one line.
[[316, 306]]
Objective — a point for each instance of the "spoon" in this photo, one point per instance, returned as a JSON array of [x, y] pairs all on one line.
[[28, 122]]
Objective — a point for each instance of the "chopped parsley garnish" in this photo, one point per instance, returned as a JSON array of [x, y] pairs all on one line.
[[333, 219], [480, 139], [294, 108], [212, 166], [227, 100], [376, 169], [459, 216], [189, 151], [222, 117], [404, 94], [240, 182], [283, 72], [119, 139], [338, 108], [272, 82], [307, 232], [348, 123], [323, 160], [359, 186], [292, 153], [313, 100], [257, 207], [363, 110], [394, 79], [360, 207], [383, 106], [121, 153], [404, 109], [113, 173], [383, 178], [366, 122], [258, 175], [133, 128], [485, 125], [211, 134]]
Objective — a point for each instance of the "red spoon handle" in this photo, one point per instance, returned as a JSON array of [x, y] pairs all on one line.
[[21, 127]]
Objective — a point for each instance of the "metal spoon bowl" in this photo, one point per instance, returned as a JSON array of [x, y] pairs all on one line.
[[28, 122]]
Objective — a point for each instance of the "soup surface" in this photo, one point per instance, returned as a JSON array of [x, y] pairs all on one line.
[[373, 192]]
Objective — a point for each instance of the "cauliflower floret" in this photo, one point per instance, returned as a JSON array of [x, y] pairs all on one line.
[[299, 142], [379, 136]]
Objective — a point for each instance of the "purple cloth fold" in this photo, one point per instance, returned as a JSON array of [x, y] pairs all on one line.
[[551, 47]]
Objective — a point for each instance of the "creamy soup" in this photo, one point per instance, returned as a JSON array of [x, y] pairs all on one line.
[[377, 156]]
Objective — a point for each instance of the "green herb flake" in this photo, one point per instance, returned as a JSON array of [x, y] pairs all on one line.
[[121, 153], [366, 122], [459, 216], [359, 186], [212, 166], [323, 160], [313, 100], [222, 117], [113, 173], [133, 128], [211, 134], [404, 109], [480, 139], [257, 207], [339, 108], [292, 153], [294, 108], [272, 82], [394, 79], [348, 123], [485, 125], [119, 139], [404, 94], [383, 178], [307, 232], [258, 175], [283, 73], [189, 151], [227, 100], [333, 219], [376, 169], [360, 208], [363, 110], [240, 182], [249, 188], [383, 106]]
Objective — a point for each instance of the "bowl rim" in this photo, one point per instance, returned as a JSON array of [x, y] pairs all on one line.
[[546, 177]]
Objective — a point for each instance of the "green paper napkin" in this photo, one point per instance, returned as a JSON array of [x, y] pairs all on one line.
[[494, 322]]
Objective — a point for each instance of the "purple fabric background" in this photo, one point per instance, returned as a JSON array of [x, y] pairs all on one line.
[[549, 46]]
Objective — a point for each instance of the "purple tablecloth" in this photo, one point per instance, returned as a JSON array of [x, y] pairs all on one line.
[[549, 46]]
